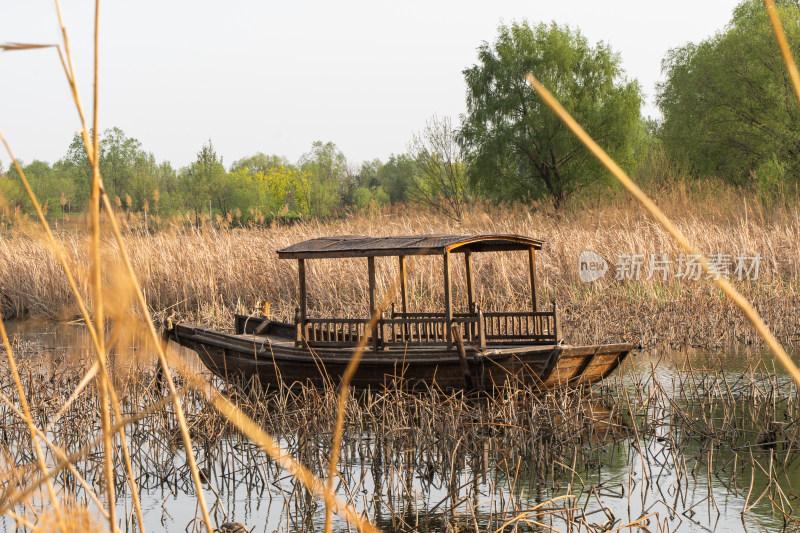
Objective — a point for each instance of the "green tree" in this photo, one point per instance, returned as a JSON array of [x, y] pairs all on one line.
[[397, 176], [329, 179], [119, 156], [517, 147], [205, 182], [441, 182], [53, 188], [12, 193], [727, 102], [260, 163], [267, 195], [369, 174], [167, 197], [76, 165], [368, 190], [267, 187], [127, 170]]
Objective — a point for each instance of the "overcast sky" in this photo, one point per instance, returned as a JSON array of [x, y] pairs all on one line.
[[275, 76]]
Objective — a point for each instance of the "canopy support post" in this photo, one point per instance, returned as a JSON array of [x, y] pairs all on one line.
[[301, 271], [371, 270], [403, 295], [532, 266], [448, 306], [470, 294]]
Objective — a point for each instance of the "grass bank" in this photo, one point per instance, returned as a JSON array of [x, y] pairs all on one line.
[[207, 274]]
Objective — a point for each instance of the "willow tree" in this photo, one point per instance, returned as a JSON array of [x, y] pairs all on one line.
[[517, 148], [728, 103]]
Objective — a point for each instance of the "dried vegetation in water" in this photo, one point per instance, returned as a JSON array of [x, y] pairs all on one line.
[[659, 448]]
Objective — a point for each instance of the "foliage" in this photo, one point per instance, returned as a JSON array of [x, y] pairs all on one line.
[[53, 188], [123, 165], [518, 148], [727, 102], [441, 181], [397, 176], [271, 194], [258, 189], [365, 189], [204, 183], [260, 163], [329, 180], [369, 176]]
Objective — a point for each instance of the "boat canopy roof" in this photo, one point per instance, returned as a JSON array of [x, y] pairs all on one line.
[[401, 245]]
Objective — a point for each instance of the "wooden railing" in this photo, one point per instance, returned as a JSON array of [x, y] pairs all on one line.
[[333, 332], [470, 328], [428, 330], [423, 330], [505, 327], [429, 315], [433, 329]]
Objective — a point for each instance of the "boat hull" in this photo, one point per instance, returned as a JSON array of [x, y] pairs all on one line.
[[273, 360]]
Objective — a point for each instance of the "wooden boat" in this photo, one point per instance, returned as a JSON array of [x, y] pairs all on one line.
[[466, 349]]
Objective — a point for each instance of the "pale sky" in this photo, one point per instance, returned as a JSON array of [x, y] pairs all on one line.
[[274, 77]]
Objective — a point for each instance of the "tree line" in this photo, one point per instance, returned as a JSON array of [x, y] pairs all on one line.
[[255, 189], [727, 104]]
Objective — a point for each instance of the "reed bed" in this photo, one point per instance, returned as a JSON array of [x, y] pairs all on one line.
[[207, 274], [182, 436], [670, 445]]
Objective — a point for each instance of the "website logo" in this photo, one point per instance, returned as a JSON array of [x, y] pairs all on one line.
[[591, 266]]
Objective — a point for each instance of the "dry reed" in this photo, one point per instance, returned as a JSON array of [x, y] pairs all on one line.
[[207, 275]]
